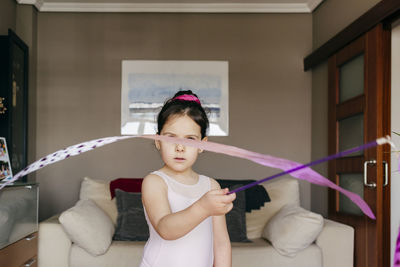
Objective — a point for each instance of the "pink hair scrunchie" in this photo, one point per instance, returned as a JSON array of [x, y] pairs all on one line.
[[188, 98]]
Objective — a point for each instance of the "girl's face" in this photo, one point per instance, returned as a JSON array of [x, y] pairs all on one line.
[[179, 158]]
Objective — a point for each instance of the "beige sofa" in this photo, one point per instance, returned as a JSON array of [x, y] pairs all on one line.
[[333, 245]]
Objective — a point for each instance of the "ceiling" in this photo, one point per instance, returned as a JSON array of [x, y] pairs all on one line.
[[173, 6]]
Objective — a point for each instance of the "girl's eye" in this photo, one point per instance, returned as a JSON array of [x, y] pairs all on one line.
[[191, 138]]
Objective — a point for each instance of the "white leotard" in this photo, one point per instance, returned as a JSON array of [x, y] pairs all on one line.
[[195, 249]]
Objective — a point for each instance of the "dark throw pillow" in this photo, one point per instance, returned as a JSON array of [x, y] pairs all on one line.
[[256, 196], [131, 221], [236, 218], [126, 184]]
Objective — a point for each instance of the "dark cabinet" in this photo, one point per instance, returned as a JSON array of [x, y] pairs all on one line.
[[14, 98]]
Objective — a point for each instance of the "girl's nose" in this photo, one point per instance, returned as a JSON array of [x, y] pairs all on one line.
[[179, 147]]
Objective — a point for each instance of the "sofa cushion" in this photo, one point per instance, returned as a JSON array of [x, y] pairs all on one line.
[[94, 189], [236, 218], [282, 191], [133, 185], [54, 244], [261, 253], [120, 254], [131, 221], [88, 226], [256, 196], [293, 229], [336, 241], [99, 192]]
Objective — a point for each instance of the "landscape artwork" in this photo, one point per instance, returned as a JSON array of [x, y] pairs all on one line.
[[147, 84]]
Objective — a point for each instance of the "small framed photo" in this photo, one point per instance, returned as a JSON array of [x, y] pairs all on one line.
[[5, 165]]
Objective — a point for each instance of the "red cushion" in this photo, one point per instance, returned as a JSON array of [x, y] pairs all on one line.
[[126, 184]]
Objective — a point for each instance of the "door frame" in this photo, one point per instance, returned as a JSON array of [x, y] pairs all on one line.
[[372, 238]]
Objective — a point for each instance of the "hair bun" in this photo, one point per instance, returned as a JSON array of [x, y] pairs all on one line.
[[184, 92], [184, 102]]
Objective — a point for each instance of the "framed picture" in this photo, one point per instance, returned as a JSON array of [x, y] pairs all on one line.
[[147, 84], [5, 166]]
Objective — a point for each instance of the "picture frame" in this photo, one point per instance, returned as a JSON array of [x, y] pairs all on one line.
[[147, 84], [5, 164]]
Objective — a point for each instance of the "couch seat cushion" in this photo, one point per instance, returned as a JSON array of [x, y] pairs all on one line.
[[119, 254], [261, 253]]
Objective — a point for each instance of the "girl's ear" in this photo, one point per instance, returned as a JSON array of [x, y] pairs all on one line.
[[205, 139], [157, 143]]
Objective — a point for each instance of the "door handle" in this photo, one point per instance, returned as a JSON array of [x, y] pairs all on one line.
[[373, 185], [386, 173]]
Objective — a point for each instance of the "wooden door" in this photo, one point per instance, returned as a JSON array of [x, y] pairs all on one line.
[[359, 110]]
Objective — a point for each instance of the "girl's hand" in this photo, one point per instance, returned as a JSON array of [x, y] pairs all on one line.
[[216, 202]]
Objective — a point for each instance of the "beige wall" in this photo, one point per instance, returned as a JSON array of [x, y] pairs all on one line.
[[79, 91], [332, 16], [26, 29], [329, 18], [7, 15]]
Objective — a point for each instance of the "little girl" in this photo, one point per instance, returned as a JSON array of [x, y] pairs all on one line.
[[185, 211]]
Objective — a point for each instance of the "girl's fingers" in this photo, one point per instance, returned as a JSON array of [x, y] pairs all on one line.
[[219, 191], [226, 199], [225, 191], [229, 207], [229, 198]]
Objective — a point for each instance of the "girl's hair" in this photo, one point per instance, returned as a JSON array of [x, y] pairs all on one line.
[[184, 103]]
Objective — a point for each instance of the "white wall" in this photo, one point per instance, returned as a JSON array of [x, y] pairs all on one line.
[[395, 122]]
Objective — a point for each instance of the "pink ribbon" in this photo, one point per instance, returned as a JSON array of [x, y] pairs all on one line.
[[396, 261], [306, 174]]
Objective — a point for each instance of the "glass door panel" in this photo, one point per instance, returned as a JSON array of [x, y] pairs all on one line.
[[351, 81], [353, 182], [351, 133]]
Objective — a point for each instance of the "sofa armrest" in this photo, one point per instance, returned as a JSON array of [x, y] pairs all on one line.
[[54, 244], [337, 244]]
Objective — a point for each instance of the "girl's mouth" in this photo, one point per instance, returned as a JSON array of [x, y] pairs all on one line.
[[179, 159]]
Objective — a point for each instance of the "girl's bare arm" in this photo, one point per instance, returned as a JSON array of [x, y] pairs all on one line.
[[222, 244]]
